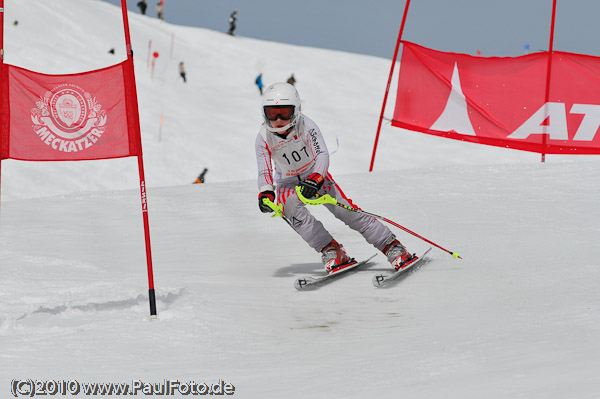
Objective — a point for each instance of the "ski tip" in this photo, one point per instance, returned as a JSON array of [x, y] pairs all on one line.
[[378, 280], [303, 283]]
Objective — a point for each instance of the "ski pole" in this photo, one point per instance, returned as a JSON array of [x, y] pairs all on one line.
[[278, 209], [328, 199]]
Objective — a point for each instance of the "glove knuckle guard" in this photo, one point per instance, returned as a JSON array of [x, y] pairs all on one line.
[[311, 185], [270, 195]]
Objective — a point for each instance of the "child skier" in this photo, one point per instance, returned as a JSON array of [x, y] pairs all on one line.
[[295, 144]]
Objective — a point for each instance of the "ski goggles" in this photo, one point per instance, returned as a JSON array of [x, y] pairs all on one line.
[[283, 112]]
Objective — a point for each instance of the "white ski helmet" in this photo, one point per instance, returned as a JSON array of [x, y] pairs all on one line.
[[281, 95]]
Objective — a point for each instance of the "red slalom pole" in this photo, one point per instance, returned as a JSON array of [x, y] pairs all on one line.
[[387, 88], [2, 94], [133, 108], [549, 73]]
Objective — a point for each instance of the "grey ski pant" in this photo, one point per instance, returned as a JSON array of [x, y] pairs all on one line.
[[313, 231]]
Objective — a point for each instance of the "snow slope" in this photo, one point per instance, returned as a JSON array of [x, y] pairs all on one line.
[[212, 120], [518, 316]]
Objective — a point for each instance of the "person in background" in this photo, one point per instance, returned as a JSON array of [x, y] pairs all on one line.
[[160, 10], [294, 144], [182, 71], [291, 80], [232, 20], [142, 6], [259, 83], [200, 178]]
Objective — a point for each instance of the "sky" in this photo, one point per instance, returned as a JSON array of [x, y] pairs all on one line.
[[495, 28], [516, 317]]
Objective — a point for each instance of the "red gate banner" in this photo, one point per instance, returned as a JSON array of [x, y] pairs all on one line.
[[68, 117], [501, 101]]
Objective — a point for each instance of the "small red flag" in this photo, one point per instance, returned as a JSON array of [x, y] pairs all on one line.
[[69, 117]]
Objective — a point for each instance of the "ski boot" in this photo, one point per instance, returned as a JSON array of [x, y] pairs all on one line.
[[397, 255], [334, 257]]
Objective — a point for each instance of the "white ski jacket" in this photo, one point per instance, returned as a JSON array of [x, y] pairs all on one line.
[[295, 157]]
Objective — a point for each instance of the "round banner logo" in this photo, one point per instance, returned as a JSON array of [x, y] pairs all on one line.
[[68, 119]]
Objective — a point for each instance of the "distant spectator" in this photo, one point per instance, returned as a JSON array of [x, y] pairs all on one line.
[[291, 80], [142, 5], [159, 10], [259, 83], [112, 51], [232, 19], [16, 23], [200, 178], [182, 71]]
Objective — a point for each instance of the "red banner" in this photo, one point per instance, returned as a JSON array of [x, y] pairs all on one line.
[[501, 101], [69, 117]]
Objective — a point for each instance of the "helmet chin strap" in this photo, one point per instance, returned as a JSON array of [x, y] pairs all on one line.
[[282, 129], [283, 135]]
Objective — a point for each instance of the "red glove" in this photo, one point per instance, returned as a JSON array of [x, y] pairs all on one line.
[[265, 194], [310, 186]]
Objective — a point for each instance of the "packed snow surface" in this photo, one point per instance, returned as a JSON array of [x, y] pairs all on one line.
[[517, 317]]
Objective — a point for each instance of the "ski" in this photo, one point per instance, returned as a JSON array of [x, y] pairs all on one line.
[[311, 281], [381, 280]]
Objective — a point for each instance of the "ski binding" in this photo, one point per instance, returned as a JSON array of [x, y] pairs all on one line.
[[310, 281], [382, 280]]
